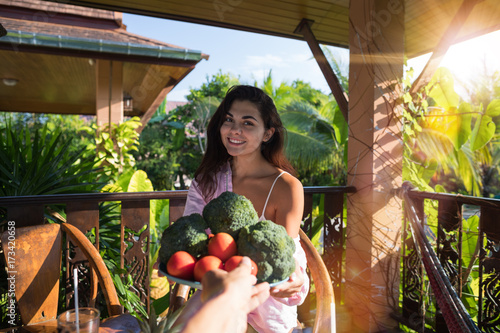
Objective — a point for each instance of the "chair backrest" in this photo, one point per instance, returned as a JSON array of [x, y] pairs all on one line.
[[33, 259], [324, 320]]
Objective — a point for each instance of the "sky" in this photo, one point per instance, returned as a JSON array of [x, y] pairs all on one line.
[[251, 56]]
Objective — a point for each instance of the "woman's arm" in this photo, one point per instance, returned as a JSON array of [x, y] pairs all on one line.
[[289, 211], [289, 204], [195, 201]]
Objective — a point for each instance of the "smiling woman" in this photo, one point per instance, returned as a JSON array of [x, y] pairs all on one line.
[[243, 131], [245, 155]]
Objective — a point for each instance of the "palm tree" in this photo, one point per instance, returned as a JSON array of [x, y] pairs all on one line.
[[317, 133]]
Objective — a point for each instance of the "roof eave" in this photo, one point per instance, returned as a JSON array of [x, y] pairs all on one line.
[[156, 53]]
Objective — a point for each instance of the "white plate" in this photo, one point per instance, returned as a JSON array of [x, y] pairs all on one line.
[[195, 284]]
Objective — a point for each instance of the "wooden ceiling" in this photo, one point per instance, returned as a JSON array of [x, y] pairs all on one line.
[[425, 20], [64, 84]]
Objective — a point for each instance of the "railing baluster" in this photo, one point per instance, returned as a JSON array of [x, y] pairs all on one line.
[[135, 233], [489, 282], [176, 209], [307, 215], [334, 239], [85, 216]]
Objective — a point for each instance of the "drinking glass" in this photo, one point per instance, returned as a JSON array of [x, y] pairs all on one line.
[[88, 321]]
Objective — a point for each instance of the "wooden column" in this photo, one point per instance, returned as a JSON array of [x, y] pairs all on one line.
[[109, 92], [374, 163]]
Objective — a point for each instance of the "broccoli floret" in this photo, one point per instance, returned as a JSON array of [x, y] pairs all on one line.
[[186, 234], [228, 213], [272, 249]]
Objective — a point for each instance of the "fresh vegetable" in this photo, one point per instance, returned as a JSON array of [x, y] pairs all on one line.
[[222, 245], [186, 234], [228, 213], [181, 264], [234, 261], [205, 264], [269, 245]]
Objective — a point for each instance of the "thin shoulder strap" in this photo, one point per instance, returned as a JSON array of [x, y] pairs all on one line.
[[271, 190]]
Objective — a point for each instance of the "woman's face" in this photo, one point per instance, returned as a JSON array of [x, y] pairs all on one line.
[[243, 130]]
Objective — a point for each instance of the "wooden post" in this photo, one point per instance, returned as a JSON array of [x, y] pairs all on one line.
[[374, 163], [109, 92]]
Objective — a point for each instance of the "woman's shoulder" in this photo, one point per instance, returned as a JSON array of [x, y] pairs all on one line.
[[288, 182]]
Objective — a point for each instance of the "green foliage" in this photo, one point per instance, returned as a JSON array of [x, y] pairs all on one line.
[[311, 138], [38, 161], [444, 135], [216, 86], [127, 294], [155, 324], [448, 143], [114, 145], [169, 148]]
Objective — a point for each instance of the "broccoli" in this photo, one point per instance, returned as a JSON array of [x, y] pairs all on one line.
[[186, 234], [269, 245], [229, 212]]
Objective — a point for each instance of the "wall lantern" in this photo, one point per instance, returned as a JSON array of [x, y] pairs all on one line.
[[128, 104]]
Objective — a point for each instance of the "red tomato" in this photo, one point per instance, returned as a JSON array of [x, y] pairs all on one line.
[[181, 264], [206, 264], [223, 246], [234, 261]]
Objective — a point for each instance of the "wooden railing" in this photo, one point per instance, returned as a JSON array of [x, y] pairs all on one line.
[[83, 211], [469, 251]]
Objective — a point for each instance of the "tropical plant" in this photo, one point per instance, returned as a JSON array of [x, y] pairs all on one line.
[[282, 94], [169, 150], [131, 181], [34, 162], [482, 91], [446, 135], [311, 137], [114, 144], [316, 131]]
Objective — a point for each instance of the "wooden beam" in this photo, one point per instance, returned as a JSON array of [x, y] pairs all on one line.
[[444, 44], [159, 99], [154, 106], [304, 28]]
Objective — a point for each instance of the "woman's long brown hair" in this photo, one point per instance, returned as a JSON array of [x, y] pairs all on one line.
[[216, 155]]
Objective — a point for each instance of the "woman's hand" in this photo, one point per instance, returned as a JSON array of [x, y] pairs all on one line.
[[292, 286]]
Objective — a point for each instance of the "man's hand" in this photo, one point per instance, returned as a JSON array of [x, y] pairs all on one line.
[[237, 285]]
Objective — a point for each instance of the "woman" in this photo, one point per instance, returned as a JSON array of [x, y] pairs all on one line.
[[245, 140]]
